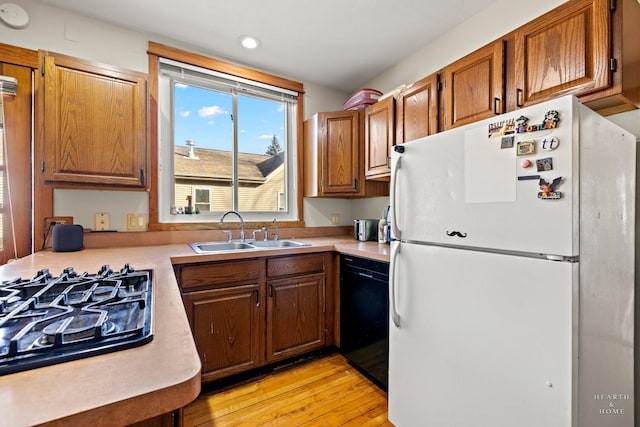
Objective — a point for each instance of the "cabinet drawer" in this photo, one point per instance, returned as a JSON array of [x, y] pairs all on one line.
[[298, 264], [222, 273]]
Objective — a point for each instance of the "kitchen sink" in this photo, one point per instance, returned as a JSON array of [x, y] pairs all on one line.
[[277, 243], [213, 247], [209, 247]]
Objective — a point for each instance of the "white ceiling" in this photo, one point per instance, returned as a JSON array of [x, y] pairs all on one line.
[[336, 43]]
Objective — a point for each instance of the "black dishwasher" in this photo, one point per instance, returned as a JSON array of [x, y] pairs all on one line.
[[364, 316]]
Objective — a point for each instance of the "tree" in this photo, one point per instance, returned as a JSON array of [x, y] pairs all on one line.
[[274, 148]]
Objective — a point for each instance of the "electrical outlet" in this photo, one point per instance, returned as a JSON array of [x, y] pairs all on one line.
[[102, 221], [136, 222], [335, 219], [58, 220]]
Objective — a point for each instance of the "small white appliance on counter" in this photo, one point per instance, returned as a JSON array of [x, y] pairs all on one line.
[[512, 273]]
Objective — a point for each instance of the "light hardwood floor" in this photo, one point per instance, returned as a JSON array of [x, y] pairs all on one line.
[[321, 392]]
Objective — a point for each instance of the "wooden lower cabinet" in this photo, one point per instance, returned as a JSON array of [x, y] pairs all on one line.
[[226, 327], [248, 313], [295, 316]]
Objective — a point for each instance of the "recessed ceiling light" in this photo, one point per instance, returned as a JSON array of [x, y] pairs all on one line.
[[249, 42]]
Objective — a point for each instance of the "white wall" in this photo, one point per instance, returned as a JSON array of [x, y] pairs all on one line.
[[498, 19], [68, 33]]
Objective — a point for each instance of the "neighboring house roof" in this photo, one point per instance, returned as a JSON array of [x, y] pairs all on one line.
[[216, 164]]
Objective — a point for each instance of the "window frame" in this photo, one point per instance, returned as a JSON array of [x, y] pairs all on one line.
[[157, 51]]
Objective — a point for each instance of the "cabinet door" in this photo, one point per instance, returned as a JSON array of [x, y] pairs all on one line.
[[567, 52], [226, 327], [340, 134], [474, 86], [417, 110], [295, 316], [94, 123], [379, 138]]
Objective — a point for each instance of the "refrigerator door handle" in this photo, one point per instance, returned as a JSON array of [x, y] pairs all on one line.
[[395, 316], [395, 231]]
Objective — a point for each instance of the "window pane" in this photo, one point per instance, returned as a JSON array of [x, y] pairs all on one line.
[[203, 138], [202, 202], [261, 146]]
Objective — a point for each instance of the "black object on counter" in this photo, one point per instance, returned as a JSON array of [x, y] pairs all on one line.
[[67, 237]]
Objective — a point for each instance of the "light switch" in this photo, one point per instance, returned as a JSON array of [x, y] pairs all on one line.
[[136, 222]]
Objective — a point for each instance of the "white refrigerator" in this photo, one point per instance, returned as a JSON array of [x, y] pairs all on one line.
[[512, 273]]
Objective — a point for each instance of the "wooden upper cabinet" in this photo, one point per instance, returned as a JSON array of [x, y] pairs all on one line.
[[474, 86], [417, 110], [94, 129], [567, 51], [341, 133], [334, 156], [379, 138], [624, 92]]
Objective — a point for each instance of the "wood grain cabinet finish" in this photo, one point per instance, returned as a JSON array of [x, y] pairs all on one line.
[[224, 304], [334, 157], [295, 316], [295, 305], [474, 86], [94, 123], [226, 327], [379, 138], [624, 92], [417, 110], [246, 313], [564, 52]]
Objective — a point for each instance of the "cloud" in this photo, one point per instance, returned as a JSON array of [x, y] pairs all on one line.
[[280, 108], [265, 136], [212, 111], [185, 113], [181, 85]]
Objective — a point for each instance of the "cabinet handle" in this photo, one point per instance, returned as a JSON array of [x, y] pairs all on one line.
[[355, 184], [257, 297], [495, 106], [519, 98], [141, 176], [388, 162], [270, 291]]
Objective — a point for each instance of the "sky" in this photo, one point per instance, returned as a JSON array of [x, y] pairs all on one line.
[[204, 116]]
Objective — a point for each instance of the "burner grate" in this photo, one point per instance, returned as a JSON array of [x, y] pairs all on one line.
[[47, 320]]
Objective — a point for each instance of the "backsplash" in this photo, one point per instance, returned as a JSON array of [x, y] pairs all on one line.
[[83, 205]]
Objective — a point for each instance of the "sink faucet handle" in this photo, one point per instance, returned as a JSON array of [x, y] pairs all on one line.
[[266, 233], [275, 235], [229, 235]]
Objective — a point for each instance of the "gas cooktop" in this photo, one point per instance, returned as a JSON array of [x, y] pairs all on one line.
[[47, 320]]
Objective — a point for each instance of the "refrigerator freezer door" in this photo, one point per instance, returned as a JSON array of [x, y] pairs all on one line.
[[461, 187], [484, 339]]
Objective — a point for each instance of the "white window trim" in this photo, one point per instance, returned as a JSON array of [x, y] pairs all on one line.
[[166, 150]]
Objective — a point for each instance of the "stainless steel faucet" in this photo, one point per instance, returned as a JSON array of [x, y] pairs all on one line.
[[241, 222]]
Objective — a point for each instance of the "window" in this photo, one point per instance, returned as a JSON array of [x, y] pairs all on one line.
[[225, 143], [202, 197]]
